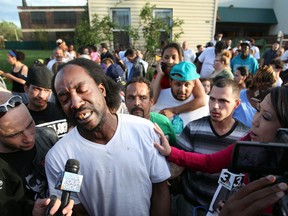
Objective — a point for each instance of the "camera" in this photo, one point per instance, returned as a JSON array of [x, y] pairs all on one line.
[[259, 159]]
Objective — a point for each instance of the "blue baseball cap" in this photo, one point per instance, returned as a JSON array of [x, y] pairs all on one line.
[[184, 71]]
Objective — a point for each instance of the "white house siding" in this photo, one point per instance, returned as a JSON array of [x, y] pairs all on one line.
[[198, 15]]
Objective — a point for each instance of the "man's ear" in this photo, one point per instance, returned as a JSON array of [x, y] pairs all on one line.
[[151, 101], [102, 89], [237, 103], [26, 88]]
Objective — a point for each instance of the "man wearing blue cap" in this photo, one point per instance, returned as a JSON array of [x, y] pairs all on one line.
[[182, 80]]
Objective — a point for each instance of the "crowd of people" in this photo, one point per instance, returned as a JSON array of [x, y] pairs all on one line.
[[145, 147]]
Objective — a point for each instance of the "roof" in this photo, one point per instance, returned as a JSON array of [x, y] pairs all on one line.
[[246, 15]]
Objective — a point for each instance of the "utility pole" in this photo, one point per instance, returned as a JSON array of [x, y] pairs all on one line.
[[16, 34], [24, 3]]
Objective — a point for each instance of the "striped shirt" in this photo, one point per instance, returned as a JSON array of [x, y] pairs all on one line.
[[199, 136]]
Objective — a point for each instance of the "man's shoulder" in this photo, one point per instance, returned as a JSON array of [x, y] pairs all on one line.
[[52, 107], [240, 126], [203, 120], [236, 58], [159, 118], [131, 120], [46, 135], [251, 58], [50, 63], [165, 94]]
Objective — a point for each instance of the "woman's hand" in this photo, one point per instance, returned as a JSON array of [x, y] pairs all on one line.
[[159, 68], [168, 112], [164, 148]]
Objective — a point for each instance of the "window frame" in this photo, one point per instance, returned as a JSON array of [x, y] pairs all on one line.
[[170, 10], [66, 19], [38, 17], [118, 30]]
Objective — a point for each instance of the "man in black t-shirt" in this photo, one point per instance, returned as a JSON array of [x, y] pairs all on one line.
[[43, 112]]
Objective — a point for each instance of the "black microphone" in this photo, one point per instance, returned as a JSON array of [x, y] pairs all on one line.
[[68, 181]]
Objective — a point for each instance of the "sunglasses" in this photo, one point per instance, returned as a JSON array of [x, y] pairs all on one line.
[[12, 102]]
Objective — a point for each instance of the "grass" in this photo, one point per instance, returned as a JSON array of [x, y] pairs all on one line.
[[30, 57]]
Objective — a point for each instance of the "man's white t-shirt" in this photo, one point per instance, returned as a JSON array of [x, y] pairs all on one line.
[[189, 55], [166, 100], [118, 176], [207, 58]]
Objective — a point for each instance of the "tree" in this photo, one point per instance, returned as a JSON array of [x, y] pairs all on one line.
[[10, 31], [100, 30], [152, 27], [41, 36]]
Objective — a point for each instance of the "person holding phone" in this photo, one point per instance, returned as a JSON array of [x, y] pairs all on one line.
[[171, 55]]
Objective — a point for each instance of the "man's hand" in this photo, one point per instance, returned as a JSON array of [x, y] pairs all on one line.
[[254, 197], [41, 205], [164, 148]]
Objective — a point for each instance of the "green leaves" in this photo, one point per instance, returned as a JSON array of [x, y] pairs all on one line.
[[10, 31]]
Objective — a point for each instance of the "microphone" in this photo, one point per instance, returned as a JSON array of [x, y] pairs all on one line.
[[68, 181], [228, 184]]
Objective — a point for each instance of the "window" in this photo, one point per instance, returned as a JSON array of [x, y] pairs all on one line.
[[65, 17], [121, 17], [166, 15], [38, 18]]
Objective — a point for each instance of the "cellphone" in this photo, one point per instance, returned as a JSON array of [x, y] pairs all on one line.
[[164, 66], [260, 157]]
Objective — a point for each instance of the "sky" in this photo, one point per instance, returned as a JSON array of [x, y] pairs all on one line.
[[9, 12]]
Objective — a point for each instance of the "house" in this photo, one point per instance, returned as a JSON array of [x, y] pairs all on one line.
[[49, 23], [258, 19], [199, 17]]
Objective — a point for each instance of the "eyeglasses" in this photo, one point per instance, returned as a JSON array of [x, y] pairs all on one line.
[[12, 102]]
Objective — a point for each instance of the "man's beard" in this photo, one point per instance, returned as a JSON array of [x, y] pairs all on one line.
[[135, 109], [59, 59]]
